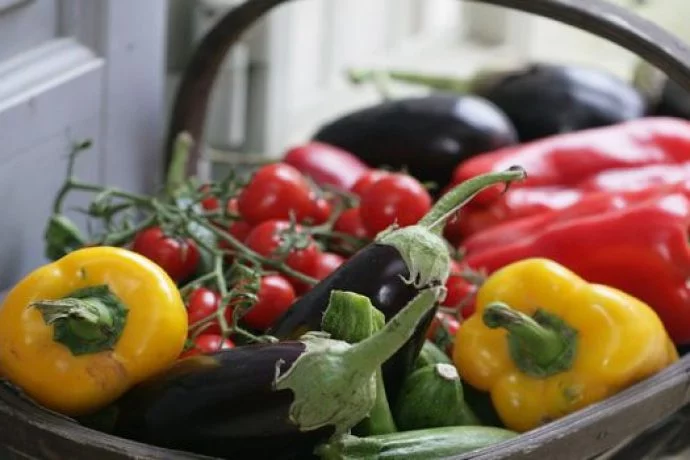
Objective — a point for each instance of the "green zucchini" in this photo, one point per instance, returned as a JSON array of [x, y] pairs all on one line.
[[431, 354], [433, 397], [426, 444]]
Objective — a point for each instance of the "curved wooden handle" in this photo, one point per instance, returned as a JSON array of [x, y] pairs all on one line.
[[647, 40]]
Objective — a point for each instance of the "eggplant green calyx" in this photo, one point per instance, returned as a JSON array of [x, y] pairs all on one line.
[[334, 383], [425, 254]]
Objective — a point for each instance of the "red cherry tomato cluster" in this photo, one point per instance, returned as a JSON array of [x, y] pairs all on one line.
[[300, 234]]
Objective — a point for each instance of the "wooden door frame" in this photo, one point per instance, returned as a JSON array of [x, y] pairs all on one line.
[[103, 26]]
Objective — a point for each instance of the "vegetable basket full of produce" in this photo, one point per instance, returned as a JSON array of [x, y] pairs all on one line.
[[535, 305]]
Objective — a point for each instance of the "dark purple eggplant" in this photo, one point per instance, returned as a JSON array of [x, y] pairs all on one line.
[[541, 99], [391, 271], [268, 400], [665, 98], [427, 136], [221, 405]]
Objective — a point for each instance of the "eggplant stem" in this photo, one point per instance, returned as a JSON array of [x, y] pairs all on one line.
[[457, 197], [373, 351]]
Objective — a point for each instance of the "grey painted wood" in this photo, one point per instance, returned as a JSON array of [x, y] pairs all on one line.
[[87, 69]]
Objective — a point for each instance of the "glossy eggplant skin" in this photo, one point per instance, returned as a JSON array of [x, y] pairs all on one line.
[[428, 136], [674, 101], [222, 405], [546, 99], [376, 271]]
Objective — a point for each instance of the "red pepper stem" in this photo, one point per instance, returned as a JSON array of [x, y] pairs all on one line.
[[457, 197], [541, 345], [87, 321]]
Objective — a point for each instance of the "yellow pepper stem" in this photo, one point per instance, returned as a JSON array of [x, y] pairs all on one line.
[[541, 345], [89, 320]]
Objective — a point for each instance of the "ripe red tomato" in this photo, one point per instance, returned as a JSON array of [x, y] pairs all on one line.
[[201, 304], [266, 238], [240, 230], [453, 231], [366, 180], [232, 206], [275, 296], [210, 203], [321, 212], [442, 331], [177, 256], [207, 343], [326, 263], [398, 198], [275, 191], [350, 223], [460, 293]]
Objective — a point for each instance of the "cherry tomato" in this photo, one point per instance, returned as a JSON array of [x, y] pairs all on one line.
[[201, 304], [274, 192], [442, 331], [366, 180], [275, 296], [177, 256], [267, 237], [396, 198], [233, 206], [207, 343], [211, 202], [326, 263], [321, 212], [453, 231], [240, 230], [460, 293], [350, 222]]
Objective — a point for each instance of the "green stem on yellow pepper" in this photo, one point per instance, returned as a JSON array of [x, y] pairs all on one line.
[[541, 345], [86, 321]]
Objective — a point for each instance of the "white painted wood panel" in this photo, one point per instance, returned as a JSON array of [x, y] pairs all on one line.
[[85, 69], [25, 24]]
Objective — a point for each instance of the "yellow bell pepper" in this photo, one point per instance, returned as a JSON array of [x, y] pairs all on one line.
[[77, 333], [545, 343]]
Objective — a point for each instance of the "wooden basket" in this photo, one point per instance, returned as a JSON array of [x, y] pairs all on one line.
[[627, 426]]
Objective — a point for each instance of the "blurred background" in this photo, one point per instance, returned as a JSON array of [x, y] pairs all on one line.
[[288, 76], [106, 70]]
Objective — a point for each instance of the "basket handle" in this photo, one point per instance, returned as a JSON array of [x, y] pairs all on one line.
[[649, 41]]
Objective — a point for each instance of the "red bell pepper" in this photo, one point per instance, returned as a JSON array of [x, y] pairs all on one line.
[[615, 180], [522, 202], [565, 160], [590, 204], [641, 249], [326, 164]]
